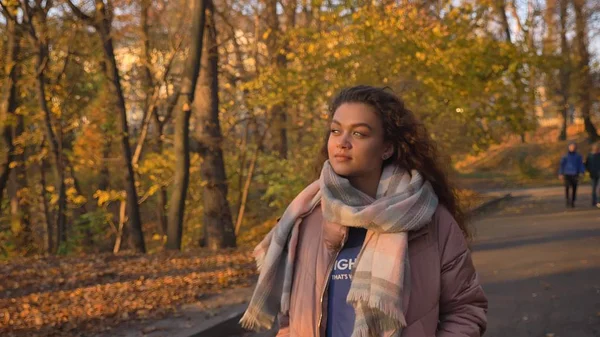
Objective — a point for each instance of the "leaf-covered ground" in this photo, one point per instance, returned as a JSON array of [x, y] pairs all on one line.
[[76, 296]]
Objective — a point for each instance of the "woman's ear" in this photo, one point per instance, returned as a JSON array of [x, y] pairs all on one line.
[[388, 152]]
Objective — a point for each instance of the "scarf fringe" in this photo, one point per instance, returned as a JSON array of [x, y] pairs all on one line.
[[254, 323], [393, 317]]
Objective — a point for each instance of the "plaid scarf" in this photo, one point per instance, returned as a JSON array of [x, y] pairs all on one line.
[[404, 202]]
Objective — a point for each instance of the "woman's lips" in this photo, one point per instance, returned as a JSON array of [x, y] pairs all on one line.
[[342, 157]]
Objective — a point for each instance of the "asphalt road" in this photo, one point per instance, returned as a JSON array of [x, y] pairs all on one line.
[[539, 263]]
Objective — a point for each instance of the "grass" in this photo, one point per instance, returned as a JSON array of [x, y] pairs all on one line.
[[513, 164]]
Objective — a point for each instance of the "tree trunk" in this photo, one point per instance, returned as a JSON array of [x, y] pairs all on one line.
[[103, 26], [8, 104], [549, 45], [162, 193], [531, 49], [290, 7], [49, 235], [151, 111], [122, 220], [19, 209], [515, 14], [217, 222], [55, 148], [276, 48], [246, 191], [88, 239], [565, 69], [181, 179], [501, 8], [182, 122], [104, 175], [308, 12], [281, 125], [147, 80], [241, 160], [586, 83], [520, 127], [161, 211], [137, 153], [19, 204]]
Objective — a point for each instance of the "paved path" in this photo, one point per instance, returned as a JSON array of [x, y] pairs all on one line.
[[540, 265]]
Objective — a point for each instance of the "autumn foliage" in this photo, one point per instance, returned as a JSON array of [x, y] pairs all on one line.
[[78, 295]]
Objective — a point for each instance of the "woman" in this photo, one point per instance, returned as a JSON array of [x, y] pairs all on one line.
[[376, 246]]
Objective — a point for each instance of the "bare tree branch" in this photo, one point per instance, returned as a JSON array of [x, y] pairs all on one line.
[[64, 67], [169, 65], [79, 13], [151, 109], [7, 12], [26, 10], [110, 10], [237, 122], [172, 103], [515, 14], [42, 66], [49, 4], [28, 19]]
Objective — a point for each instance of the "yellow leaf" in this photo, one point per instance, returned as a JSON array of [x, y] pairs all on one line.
[[266, 34]]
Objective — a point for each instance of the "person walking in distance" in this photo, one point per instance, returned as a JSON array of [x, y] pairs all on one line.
[[377, 245], [571, 166], [592, 164]]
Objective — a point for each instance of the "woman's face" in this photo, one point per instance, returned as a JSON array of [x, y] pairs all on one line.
[[356, 145]]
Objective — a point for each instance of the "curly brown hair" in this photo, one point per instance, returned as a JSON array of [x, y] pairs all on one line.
[[413, 147]]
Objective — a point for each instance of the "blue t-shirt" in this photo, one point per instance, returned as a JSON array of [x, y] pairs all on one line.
[[340, 315]]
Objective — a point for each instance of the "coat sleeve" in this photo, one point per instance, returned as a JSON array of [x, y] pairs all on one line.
[[463, 304]]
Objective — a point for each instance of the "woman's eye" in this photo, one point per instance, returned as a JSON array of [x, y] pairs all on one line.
[[334, 131], [358, 134]]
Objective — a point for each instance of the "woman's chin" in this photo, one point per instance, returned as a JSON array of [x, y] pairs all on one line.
[[342, 170]]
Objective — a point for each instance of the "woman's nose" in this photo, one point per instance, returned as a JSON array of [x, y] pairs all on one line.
[[343, 142]]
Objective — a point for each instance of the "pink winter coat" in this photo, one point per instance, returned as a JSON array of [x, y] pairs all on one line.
[[446, 299]]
